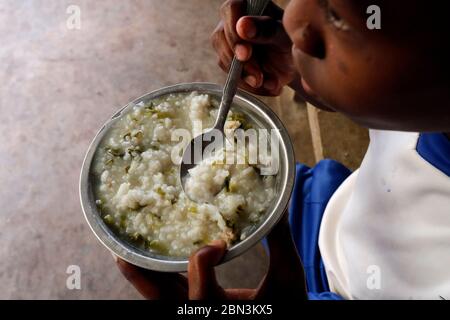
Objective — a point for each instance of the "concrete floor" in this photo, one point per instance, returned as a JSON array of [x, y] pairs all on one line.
[[58, 86]]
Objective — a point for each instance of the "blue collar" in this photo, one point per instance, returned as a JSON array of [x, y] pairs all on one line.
[[435, 148]]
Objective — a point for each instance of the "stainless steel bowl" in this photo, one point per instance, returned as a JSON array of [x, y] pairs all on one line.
[[246, 103]]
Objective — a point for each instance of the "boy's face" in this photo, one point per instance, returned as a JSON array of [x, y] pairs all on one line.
[[390, 78]]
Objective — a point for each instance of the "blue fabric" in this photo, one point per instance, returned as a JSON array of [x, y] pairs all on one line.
[[435, 148], [312, 190], [324, 296]]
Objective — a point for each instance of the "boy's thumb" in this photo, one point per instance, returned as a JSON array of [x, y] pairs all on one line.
[[201, 274], [263, 30]]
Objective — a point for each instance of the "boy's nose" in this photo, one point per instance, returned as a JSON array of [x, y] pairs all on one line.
[[308, 40], [302, 20]]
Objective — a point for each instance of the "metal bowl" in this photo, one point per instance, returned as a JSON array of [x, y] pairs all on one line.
[[256, 110]]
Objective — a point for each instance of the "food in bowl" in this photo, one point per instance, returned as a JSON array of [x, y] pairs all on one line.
[[137, 186]]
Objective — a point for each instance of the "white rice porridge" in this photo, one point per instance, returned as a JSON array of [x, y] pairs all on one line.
[[138, 190]]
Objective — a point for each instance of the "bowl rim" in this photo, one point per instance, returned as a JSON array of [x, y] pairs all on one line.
[[132, 254]]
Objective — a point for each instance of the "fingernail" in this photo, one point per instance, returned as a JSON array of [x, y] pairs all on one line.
[[270, 85], [250, 30], [241, 52], [251, 81]]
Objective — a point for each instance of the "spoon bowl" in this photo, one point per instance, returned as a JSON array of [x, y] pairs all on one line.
[[195, 153]]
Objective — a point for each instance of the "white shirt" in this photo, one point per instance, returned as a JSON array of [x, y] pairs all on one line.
[[385, 233]]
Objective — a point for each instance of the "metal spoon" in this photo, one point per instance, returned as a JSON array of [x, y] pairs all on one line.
[[197, 145]]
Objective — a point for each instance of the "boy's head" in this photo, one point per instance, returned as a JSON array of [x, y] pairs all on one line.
[[393, 78]]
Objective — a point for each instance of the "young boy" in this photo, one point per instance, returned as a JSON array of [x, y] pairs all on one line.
[[383, 231]]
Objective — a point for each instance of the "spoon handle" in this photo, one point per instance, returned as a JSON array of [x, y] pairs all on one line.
[[254, 8], [229, 90]]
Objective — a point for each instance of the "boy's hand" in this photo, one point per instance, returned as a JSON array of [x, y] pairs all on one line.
[[285, 278], [261, 42]]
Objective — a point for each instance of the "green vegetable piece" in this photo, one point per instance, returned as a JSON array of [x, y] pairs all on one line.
[[240, 210], [242, 119], [109, 219], [136, 237], [123, 222], [230, 224], [156, 245], [138, 135], [237, 117], [160, 191], [115, 152], [150, 109], [134, 151], [163, 115], [193, 209], [127, 136], [233, 187]]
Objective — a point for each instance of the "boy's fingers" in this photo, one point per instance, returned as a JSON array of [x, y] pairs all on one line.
[[273, 79], [136, 277], [272, 85], [263, 30], [240, 294], [220, 44], [154, 285], [243, 51], [285, 268], [252, 74], [223, 66], [230, 13], [225, 59], [201, 275]]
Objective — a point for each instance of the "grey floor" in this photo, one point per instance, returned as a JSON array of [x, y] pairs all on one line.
[[57, 87]]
